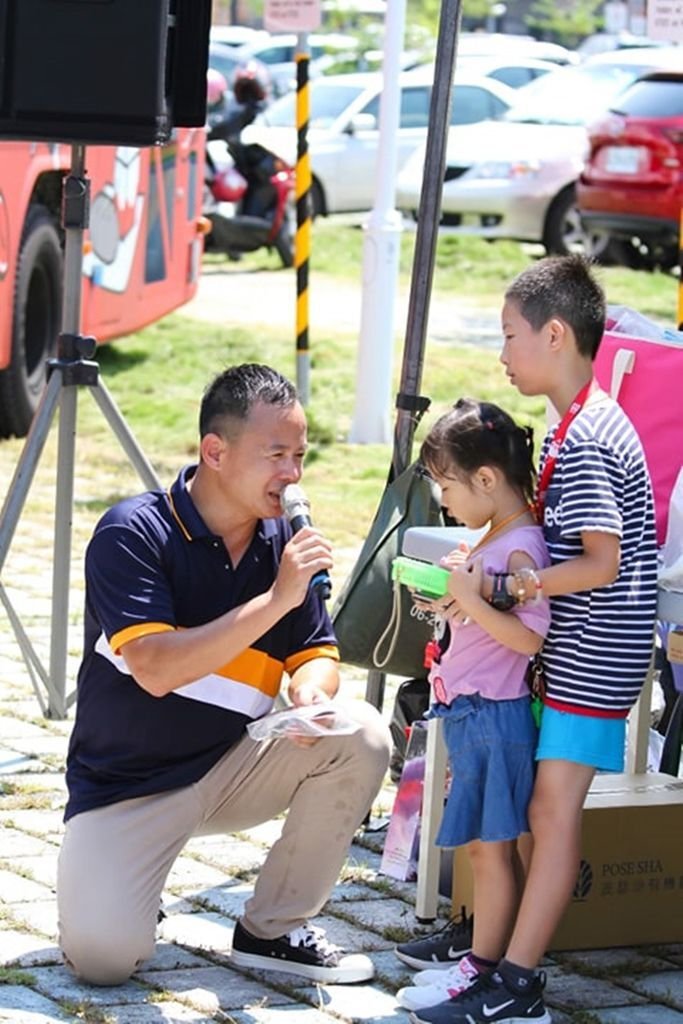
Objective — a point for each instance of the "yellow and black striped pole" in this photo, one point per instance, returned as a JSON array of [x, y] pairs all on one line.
[[302, 248]]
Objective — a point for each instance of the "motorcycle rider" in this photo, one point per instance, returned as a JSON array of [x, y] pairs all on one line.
[[260, 216], [249, 98]]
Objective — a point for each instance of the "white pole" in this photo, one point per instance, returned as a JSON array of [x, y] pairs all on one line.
[[381, 250]]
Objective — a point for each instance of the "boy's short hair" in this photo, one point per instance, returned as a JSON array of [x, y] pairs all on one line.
[[230, 397], [562, 287]]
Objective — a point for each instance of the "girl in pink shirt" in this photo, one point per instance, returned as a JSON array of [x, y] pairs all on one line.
[[483, 463]]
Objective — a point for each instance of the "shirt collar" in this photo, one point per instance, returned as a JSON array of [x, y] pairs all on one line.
[[187, 516]]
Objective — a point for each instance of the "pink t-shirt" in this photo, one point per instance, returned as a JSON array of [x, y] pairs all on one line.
[[476, 663]]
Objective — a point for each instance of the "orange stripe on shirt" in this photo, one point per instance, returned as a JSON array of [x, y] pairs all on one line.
[[254, 668], [325, 651], [133, 632]]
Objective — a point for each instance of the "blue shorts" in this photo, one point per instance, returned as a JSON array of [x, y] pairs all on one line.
[[585, 739], [491, 745]]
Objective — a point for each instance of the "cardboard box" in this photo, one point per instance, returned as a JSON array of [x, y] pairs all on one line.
[[629, 889]]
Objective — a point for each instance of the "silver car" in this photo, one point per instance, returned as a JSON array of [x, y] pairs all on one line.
[[343, 134], [515, 179]]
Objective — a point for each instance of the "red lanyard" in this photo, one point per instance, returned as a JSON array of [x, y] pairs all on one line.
[[555, 445]]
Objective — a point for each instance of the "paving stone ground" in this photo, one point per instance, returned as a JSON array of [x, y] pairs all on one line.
[[191, 977]]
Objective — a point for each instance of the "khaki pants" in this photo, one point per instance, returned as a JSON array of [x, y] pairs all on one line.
[[114, 860]]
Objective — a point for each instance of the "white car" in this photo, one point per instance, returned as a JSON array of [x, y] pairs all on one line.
[[510, 70], [506, 43], [516, 178], [343, 132], [278, 53], [235, 35]]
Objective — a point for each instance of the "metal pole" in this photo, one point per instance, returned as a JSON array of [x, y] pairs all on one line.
[[302, 248], [70, 370], [381, 253], [409, 403], [76, 191], [427, 234]]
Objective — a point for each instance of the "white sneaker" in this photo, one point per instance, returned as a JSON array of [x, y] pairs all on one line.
[[446, 985], [436, 975]]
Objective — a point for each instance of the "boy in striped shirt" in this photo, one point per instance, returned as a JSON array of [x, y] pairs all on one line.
[[596, 507]]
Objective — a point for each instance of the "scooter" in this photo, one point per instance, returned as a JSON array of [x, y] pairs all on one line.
[[249, 202]]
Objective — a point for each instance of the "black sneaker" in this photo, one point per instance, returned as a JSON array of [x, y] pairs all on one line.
[[440, 949], [489, 1001], [305, 951]]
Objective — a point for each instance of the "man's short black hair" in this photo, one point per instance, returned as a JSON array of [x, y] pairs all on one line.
[[562, 287], [230, 397]]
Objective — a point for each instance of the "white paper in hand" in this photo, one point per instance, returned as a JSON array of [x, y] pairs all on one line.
[[323, 719]]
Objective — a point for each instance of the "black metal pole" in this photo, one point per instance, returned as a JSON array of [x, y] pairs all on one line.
[[409, 404], [426, 237]]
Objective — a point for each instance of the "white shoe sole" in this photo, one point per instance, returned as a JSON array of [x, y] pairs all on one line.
[[355, 968], [545, 1019]]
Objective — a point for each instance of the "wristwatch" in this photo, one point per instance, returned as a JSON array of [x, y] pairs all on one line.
[[501, 599]]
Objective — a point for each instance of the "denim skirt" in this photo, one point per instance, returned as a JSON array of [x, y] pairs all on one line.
[[491, 748]]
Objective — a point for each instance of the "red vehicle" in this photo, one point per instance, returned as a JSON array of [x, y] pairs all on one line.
[[632, 184], [142, 252]]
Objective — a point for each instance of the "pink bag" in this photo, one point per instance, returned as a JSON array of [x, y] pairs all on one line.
[[646, 378]]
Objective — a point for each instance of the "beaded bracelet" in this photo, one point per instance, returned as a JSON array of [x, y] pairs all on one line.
[[521, 577]]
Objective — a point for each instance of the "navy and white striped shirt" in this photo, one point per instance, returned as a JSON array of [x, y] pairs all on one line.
[[597, 650]]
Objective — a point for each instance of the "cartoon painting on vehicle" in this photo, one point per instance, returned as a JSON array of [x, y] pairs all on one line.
[[141, 259]]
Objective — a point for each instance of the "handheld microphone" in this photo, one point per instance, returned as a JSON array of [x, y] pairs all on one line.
[[297, 510]]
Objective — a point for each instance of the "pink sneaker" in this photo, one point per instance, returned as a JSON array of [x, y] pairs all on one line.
[[449, 984]]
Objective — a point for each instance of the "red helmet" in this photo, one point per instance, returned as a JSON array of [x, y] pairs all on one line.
[[216, 87], [249, 84]]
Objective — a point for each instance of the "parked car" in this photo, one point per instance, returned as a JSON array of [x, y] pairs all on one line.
[[632, 184], [343, 134], [600, 42], [235, 35], [512, 71], [516, 178], [505, 43], [278, 53]]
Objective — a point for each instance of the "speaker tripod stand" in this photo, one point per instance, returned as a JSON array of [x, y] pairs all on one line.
[[72, 370]]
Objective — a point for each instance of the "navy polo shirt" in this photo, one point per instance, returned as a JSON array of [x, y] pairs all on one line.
[[152, 565]]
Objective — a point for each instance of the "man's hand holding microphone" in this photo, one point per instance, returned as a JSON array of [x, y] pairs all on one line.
[[306, 561], [307, 557]]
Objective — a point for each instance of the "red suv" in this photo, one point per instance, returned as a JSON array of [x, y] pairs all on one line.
[[632, 184]]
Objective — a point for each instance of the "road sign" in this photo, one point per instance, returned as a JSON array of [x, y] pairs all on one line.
[[291, 15], [665, 20]]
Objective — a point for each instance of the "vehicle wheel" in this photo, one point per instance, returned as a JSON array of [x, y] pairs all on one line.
[[318, 204], [36, 321], [617, 252], [284, 244], [563, 232]]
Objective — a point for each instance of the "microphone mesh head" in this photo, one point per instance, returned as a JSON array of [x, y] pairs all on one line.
[[293, 501]]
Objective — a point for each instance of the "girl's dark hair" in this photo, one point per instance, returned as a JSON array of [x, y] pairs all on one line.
[[229, 398], [474, 434]]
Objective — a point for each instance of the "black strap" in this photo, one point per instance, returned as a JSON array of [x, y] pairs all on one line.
[[413, 403]]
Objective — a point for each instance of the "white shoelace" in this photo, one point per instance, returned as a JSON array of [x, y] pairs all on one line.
[[311, 937]]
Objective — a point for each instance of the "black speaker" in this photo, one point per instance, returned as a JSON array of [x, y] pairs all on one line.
[[121, 72]]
